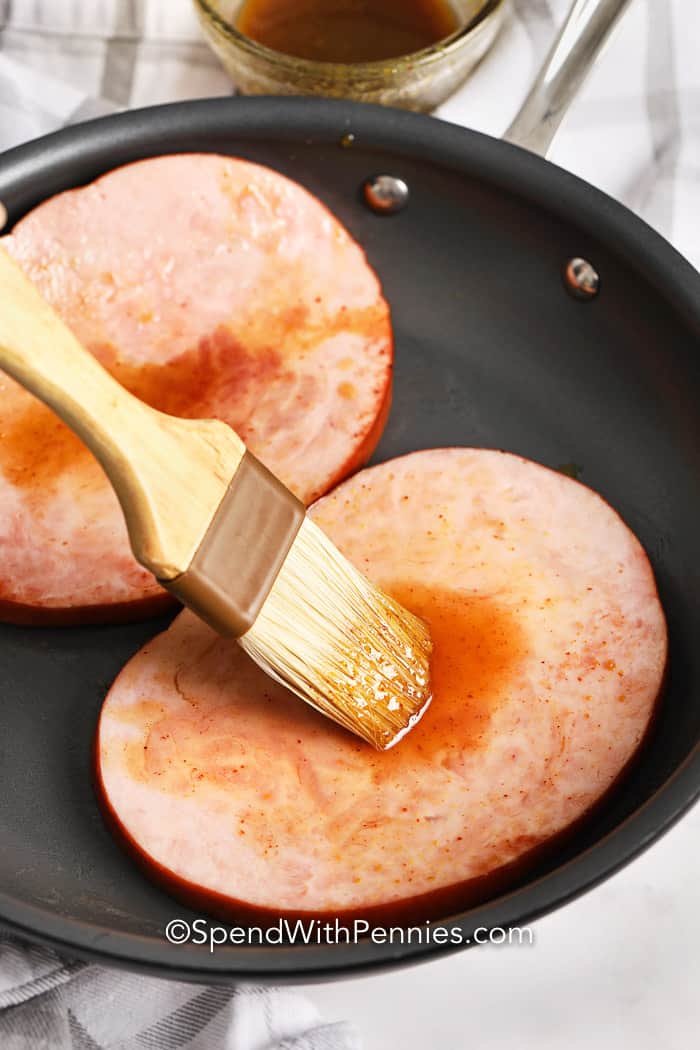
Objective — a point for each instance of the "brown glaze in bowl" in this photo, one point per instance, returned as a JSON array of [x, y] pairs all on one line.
[[419, 81]]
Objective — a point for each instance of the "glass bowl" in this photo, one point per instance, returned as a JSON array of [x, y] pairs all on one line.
[[418, 81]]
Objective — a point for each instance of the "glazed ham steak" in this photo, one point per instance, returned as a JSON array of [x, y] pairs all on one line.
[[550, 648], [208, 286]]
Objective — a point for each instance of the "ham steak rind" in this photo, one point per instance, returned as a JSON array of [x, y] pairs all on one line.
[[208, 286], [550, 649]]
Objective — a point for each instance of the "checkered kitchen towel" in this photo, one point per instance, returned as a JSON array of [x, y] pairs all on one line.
[[49, 1003], [634, 131]]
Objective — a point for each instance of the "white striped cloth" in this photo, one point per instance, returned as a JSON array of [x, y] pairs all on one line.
[[634, 132], [50, 1003]]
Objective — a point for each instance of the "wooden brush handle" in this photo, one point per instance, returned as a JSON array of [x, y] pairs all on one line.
[[169, 474]]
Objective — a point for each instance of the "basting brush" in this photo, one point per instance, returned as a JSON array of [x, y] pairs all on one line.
[[216, 528]]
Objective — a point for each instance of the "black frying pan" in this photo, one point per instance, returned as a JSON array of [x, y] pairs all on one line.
[[491, 350]]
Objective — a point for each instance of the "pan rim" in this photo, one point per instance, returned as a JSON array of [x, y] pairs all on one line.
[[288, 118], [157, 130]]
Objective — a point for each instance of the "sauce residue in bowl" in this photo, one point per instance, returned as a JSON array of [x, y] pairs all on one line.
[[347, 30]]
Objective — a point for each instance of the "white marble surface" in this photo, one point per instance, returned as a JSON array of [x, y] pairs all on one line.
[[618, 968]]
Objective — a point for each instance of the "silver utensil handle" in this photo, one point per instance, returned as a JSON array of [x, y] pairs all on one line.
[[565, 68]]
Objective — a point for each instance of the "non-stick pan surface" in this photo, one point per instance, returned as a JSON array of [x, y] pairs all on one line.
[[491, 351]]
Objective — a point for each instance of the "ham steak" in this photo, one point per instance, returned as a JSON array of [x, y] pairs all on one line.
[[210, 287], [550, 649]]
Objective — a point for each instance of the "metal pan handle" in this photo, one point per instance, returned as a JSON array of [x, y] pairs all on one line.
[[565, 68]]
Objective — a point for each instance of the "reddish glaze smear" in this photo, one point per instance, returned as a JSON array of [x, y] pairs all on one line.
[[477, 645], [36, 447], [213, 380]]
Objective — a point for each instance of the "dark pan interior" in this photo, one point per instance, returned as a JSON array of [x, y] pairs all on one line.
[[490, 351]]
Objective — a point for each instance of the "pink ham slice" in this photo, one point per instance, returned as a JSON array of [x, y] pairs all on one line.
[[210, 287], [550, 648]]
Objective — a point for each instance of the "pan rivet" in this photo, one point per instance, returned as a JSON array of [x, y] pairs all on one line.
[[385, 194], [581, 278]]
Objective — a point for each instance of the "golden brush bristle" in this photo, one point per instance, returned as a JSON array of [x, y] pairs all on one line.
[[342, 645]]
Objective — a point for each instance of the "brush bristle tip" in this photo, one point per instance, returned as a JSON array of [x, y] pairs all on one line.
[[341, 644]]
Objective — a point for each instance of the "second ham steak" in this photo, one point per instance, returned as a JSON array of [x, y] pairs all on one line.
[[210, 287]]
